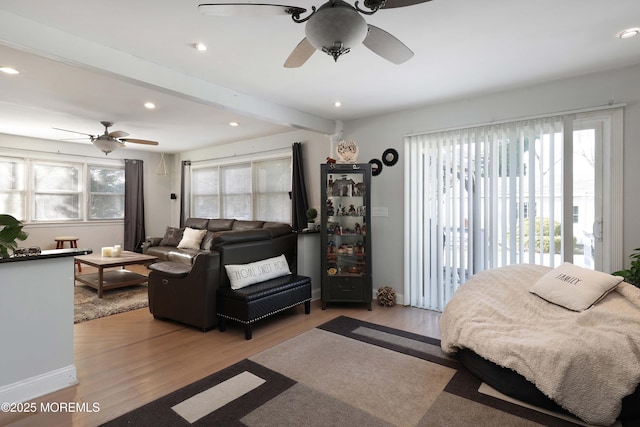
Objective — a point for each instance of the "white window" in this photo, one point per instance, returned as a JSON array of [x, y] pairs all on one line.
[[236, 191], [12, 187], [106, 193], [43, 191], [57, 192], [205, 192], [253, 189], [273, 185]]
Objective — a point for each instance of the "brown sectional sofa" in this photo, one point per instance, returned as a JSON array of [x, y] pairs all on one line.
[[183, 284]]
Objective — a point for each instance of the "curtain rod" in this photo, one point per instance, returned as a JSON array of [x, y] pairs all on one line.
[[540, 116], [59, 153], [240, 155]]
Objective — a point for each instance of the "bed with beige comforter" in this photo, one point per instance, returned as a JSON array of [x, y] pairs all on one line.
[[585, 361]]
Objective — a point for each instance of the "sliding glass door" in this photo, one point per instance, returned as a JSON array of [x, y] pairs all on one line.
[[530, 191]]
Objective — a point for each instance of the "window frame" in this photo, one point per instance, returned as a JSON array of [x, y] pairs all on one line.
[[35, 192], [27, 192], [20, 179], [219, 164], [89, 193]]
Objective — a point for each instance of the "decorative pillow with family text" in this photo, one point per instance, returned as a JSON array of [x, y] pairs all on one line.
[[573, 287]]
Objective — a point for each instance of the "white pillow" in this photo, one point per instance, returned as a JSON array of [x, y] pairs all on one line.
[[241, 275], [574, 287], [191, 238]]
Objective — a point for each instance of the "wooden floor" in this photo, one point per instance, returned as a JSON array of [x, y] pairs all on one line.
[[126, 360]]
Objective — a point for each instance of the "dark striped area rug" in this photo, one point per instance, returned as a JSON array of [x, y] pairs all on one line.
[[346, 372]]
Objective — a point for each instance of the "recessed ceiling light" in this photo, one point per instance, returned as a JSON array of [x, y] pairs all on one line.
[[149, 105], [234, 124], [9, 70], [628, 33], [200, 46], [337, 104]]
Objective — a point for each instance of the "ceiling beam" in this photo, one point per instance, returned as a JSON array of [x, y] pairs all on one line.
[[33, 37]]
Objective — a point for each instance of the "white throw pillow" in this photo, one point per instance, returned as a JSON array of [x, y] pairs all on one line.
[[191, 238], [241, 275], [574, 287]]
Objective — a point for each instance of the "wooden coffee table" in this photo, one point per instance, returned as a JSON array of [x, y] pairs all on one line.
[[113, 278]]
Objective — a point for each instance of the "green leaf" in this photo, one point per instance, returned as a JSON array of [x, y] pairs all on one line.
[[10, 232]]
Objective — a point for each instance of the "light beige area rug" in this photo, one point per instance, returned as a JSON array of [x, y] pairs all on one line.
[[344, 373]]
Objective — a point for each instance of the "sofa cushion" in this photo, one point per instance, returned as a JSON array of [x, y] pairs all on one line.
[[161, 252], [239, 236], [220, 224], [191, 238], [172, 237], [199, 223], [242, 275], [206, 242], [241, 224], [277, 228]]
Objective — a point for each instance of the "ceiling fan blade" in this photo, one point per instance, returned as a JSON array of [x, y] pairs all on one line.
[[139, 141], [386, 45], [118, 134], [248, 9], [390, 4], [81, 133], [300, 54]]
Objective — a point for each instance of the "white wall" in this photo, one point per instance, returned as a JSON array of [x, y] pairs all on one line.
[[375, 134], [94, 235]]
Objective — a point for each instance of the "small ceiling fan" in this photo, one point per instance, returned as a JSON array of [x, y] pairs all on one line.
[[333, 28], [109, 141]]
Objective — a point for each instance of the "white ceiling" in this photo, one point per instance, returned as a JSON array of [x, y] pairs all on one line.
[[83, 61]]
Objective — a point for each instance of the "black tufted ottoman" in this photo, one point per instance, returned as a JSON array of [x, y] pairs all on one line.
[[252, 303]]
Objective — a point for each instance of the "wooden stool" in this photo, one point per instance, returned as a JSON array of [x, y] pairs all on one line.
[[73, 243]]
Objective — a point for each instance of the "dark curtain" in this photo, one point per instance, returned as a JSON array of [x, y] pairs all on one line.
[[299, 202], [134, 233], [185, 191]]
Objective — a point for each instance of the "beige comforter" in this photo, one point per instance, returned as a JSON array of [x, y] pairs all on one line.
[[587, 362]]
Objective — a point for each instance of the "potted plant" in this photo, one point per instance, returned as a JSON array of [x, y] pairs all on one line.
[[632, 275], [10, 233], [312, 213]]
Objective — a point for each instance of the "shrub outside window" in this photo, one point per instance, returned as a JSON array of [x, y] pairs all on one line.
[[12, 193], [57, 192], [106, 193]]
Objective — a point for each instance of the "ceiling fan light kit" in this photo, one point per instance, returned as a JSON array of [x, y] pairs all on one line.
[[333, 28], [109, 141], [106, 145]]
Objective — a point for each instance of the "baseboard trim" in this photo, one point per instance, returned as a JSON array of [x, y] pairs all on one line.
[[39, 385]]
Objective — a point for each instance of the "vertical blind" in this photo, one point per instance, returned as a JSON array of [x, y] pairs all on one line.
[[480, 198]]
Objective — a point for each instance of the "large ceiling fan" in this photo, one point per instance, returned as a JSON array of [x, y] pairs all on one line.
[[109, 141], [333, 28]]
